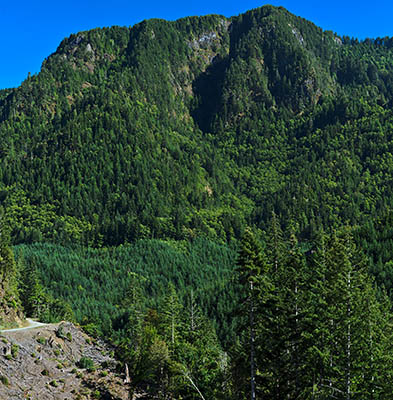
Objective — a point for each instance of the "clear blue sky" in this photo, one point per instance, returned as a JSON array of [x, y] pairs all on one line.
[[31, 30]]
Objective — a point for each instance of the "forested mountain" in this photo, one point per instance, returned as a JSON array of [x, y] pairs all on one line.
[[198, 127], [210, 194]]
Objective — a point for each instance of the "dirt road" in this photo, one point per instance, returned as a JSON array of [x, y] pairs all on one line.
[[31, 324]]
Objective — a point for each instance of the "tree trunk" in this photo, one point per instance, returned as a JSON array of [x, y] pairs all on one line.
[[252, 344], [348, 385]]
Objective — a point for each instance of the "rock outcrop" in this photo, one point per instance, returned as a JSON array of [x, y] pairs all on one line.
[[59, 362]]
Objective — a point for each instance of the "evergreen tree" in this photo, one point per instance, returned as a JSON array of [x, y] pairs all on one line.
[[251, 276], [171, 314], [35, 299], [346, 355]]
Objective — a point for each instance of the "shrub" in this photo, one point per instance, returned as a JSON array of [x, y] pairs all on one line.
[[14, 350], [41, 340], [4, 380], [60, 332], [86, 363]]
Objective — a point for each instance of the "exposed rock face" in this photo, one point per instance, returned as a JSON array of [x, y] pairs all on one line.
[[10, 316], [47, 363]]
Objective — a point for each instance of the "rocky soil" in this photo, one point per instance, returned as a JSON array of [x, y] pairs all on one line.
[[57, 361]]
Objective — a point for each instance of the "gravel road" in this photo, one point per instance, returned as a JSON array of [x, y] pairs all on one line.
[[31, 324]]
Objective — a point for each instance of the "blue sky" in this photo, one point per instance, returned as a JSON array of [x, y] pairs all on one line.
[[31, 30]]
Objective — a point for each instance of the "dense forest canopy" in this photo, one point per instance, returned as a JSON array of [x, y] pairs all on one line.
[[201, 126], [209, 194]]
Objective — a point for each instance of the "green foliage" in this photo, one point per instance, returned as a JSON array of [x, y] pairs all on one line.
[[14, 350], [105, 286], [96, 394], [9, 275], [37, 303], [176, 130], [85, 363], [41, 340], [168, 138], [60, 332], [320, 329], [169, 353]]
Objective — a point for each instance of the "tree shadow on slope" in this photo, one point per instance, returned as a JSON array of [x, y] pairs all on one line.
[[207, 89]]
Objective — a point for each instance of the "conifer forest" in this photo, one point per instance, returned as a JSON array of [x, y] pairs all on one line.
[[213, 197]]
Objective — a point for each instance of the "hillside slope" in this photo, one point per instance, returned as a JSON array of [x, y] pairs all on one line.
[[198, 127], [45, 363], [11, 310]]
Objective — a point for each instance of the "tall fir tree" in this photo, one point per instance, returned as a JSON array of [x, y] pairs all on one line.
[[255, 288]]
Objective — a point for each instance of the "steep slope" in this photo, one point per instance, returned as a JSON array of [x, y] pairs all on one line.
[[11, 313], [198, 127], [57, 362], [129, 141]]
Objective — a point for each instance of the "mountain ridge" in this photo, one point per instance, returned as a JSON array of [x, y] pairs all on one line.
[[221, 112], [134, 162]]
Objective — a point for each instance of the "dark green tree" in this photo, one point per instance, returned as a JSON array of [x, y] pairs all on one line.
[[251, 275]]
